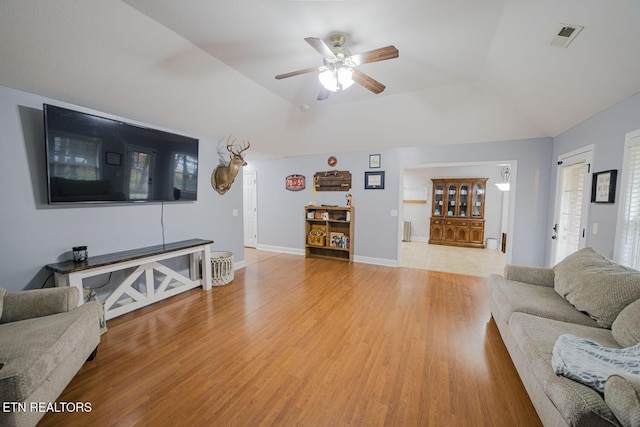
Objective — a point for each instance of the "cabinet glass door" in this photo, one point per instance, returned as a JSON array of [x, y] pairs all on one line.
[[464, 200], [452, 193], [438, 198], [476, 200]]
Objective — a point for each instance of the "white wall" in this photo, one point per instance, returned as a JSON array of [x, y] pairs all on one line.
[[34, 233], [415, 190]]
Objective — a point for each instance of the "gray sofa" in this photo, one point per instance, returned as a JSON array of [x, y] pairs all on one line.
[[585, 295], [44, 340]]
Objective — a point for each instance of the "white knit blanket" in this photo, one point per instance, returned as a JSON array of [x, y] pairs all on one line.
[[591, 364]]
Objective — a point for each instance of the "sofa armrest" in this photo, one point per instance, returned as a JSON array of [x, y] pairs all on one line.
[[37, 303], [534, 275]]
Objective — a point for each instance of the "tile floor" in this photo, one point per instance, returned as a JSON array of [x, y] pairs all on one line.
[[470, 261]]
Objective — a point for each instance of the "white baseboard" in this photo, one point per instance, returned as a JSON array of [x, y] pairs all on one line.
[[377, 261], [282, 249], [419, 239], [356, 258]]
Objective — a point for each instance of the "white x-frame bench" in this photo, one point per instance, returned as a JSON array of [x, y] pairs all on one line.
[[160, 281]]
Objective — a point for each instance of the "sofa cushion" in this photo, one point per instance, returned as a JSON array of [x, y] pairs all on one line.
[[534, 337], [535, 275], [626, 327], [38, 302], [596, 285], [622, 394], [2, 292], [31, 349], [511, 296]]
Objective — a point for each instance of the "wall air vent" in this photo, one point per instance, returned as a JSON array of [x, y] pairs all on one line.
[[565, 35]]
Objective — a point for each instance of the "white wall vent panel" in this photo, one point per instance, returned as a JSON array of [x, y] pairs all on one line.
[[565, 35]]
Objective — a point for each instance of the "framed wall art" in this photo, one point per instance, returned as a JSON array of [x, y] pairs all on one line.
[[114, 159], [603, 186], [374, 180], [374, 161]]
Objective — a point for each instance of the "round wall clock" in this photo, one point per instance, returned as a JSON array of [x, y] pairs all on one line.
[[332, 161]]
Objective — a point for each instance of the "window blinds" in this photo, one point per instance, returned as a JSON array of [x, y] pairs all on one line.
[[628, 244], [75, 158]]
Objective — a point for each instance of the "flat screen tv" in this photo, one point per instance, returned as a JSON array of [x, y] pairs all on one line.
[[92, 159]]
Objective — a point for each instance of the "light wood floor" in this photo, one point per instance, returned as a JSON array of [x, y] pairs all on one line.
[[306, 342]]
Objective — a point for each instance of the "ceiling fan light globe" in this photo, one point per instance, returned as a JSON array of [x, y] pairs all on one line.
[[328, 80], [345, 77], [336, 79]]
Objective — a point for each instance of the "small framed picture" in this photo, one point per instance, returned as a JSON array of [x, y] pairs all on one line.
[[114, 159], [374, 161], [374, 180], [603, 186]]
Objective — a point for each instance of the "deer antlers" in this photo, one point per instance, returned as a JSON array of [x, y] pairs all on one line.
[[232, 144]]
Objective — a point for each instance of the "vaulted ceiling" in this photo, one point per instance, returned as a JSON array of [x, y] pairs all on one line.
[[468, 71]]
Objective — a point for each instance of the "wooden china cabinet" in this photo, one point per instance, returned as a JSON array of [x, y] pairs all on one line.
[[457, 212]]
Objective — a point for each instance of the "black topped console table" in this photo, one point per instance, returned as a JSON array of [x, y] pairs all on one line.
[[160, 281]]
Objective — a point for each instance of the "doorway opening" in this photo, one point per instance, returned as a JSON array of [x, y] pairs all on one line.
[[417, 207]]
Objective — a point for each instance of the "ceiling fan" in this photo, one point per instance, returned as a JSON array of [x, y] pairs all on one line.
[[338, 71]]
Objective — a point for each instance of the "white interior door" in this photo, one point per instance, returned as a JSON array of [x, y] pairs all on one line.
[[250, 209], [572, 202]]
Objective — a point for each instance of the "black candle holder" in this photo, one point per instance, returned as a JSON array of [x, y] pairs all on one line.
[[80, 253]]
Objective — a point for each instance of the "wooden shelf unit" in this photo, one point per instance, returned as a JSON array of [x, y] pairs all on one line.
[[457, 212], [329, 232]]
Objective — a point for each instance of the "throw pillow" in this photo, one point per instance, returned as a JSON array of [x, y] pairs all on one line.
[[2, 292], [626, 327], [596, 285], [587, 362], [622, 395]]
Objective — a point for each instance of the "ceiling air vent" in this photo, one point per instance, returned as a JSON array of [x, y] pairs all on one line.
[[565, 35]]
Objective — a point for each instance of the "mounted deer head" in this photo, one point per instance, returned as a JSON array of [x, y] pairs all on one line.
[[223, 176]]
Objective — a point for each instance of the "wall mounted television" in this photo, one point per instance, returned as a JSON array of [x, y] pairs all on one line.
[[92, 159]]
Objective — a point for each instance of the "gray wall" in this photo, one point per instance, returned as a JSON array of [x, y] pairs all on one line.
[[606, 131], [34, 234], [377, 235], [281, 212]]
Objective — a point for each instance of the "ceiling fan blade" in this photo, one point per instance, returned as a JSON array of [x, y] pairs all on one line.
[[297, 73], [376, 55], [367, 82], [321, 47], [324, 94]]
